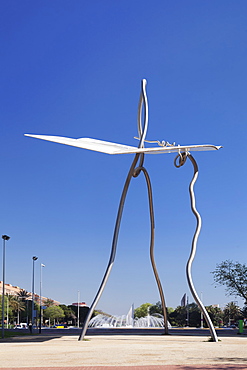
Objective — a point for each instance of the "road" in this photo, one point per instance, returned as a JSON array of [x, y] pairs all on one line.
[[223, 332]]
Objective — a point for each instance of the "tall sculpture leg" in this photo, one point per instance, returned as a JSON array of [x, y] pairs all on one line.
[[151, 212], [113, 249], [182, 159], [132, 172], [142, 131]]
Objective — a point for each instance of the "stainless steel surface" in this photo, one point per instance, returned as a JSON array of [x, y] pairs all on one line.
[[133, 172], [182, 159], [135, 169]]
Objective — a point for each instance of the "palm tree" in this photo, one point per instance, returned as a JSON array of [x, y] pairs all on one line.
[[23, 295], [49, 302], [231, 312], [16, 306], [216, 315]]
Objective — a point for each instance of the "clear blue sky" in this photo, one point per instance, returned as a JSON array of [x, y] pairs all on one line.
[[73, 68]]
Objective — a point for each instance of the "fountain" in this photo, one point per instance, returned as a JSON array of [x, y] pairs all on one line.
[[128, 321], [123, 321]]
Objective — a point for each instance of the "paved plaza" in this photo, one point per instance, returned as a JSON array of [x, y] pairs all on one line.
[[138, 352]]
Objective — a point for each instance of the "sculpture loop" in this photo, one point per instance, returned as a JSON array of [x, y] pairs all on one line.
[[181, 157]]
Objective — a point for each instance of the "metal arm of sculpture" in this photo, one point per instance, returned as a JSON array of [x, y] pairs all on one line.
[[133, 172], [182, 159]]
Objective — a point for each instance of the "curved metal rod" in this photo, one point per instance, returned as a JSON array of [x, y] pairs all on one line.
[[113, 249], [151, 213], [142, 131], [133, 172], [182, 159]]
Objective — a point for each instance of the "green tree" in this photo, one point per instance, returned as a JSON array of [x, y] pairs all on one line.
[[194, 315], [83, 311], [142, 311], [157, 308], [48, 302], [54, 313], [244, 311], [215, 314], [16, 306], [28, 313], [6, 308], [234, 276], [5, 305], [69, 315], [232, 313], [179, 316], [23, 295]]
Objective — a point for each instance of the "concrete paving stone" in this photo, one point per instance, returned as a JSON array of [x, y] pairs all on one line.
[[121, 352]]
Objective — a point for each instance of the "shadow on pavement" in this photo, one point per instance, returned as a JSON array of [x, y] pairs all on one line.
[[50, 334], [29, 338]]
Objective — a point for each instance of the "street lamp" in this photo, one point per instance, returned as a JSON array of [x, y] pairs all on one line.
[[4, 237], [32, 322], [201, 315], [40, 298], [78, 309]]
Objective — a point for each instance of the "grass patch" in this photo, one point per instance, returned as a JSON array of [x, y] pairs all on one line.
[[9, 334]]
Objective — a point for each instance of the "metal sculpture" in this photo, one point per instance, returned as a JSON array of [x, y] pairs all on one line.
[[135, 170]]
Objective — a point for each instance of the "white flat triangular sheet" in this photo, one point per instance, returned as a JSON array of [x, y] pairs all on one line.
[[113, 148]]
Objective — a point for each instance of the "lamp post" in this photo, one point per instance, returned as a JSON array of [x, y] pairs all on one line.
[[78, 309], [201, 315], [32, 315], [4, 237], [40, 298]]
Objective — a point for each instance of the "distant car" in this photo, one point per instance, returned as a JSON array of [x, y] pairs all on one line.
[[22, 325], [60, 326]]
